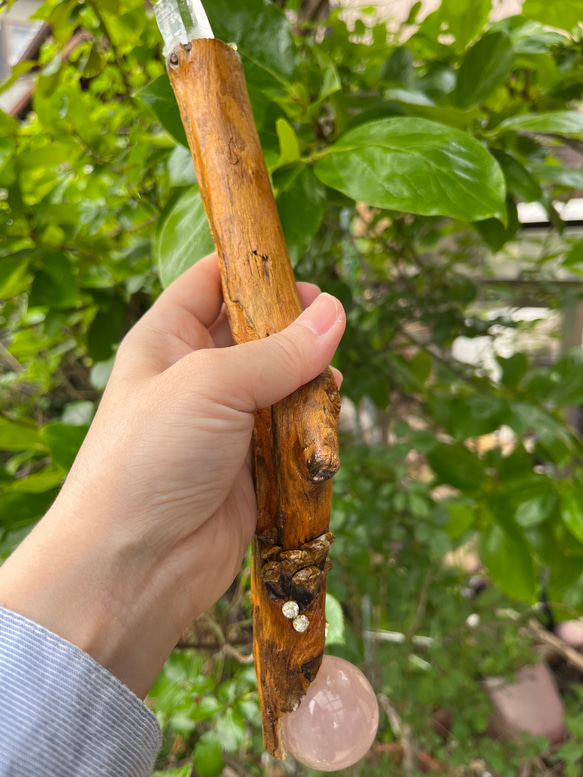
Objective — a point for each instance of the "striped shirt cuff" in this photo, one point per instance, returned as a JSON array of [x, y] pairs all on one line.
[[62, 713]]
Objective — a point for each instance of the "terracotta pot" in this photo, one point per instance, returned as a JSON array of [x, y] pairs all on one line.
[[530, 703]]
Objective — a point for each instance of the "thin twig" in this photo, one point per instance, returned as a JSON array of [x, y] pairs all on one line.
[[422, 604], [570, 655]]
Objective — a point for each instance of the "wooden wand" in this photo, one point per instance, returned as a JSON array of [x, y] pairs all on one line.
[[295, 441]]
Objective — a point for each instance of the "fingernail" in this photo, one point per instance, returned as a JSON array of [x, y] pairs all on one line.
[[322, 314]]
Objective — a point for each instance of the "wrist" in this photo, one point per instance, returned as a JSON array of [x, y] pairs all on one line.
[[92, 589]]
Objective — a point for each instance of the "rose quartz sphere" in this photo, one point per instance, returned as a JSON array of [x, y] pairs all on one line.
[[337, 721]]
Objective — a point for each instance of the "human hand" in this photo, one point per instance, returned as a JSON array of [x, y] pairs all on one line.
[[155, 516]]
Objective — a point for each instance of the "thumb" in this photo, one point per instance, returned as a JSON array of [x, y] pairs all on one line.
[[259, 373]]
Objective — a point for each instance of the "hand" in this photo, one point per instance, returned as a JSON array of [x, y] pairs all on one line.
[[155, 516]]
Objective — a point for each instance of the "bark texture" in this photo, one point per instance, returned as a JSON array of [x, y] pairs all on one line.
[[295, 441]]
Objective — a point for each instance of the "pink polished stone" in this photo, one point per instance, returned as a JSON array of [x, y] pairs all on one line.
[[337, 721]]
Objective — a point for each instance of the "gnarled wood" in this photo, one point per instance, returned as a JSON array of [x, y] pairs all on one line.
[[295, 441]]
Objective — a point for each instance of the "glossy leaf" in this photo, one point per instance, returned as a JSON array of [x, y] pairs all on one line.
[[158, 96], [19, 509], [13, 274], [565, 14], [180, 167], [64, 441], [572, 510], [289, 147], [494, 233], [418, 166], [455, 465], [55, 285], [520, 181], [18, 435], [567, 380], [262, 34], [39, 482], [509, 562], [207, 758], [302, 206], [485, 66], [183, 237], [335, 619], [104, 332], [553, 122], [462, 516], [463, 19]]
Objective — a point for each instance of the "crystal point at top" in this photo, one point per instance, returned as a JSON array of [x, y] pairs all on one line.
[[181, 21]]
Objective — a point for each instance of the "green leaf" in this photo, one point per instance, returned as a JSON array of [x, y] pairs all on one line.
[[207, 757], [552, 439], [13, 274], [509, 562], [464, 19], [230, 730], [415, 165], [335, 618], [462, 516], [19, 509], [454, 464], [559, 175], [159, 97], [184, 771], [552, 122], [262, 34], [536, 510], [565, 15], [205, 708], [55, 286], [64, 441], [399, 67], [493, 231], [485, 66], [100, 373], [18, 435], [39, 482], [289, 147], [302, 206], [183, 236], [520, 181], [567, 377], [180, 168], [572, 510], [105, 330]]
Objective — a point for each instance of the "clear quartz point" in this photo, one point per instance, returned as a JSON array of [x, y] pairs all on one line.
[[181, 21]]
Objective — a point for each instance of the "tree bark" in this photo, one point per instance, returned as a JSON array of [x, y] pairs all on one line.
[[295, 441]]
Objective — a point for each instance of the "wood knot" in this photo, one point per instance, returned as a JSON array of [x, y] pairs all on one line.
[[299, 573], [321, 464]]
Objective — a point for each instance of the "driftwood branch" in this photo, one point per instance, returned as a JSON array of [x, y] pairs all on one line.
[[295, 441]]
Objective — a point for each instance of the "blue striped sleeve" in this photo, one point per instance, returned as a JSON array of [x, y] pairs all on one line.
[[63, 715]]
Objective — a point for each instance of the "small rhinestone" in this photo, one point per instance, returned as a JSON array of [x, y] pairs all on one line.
[[290, 610], [187, 46], [301, 623], [173, 58]]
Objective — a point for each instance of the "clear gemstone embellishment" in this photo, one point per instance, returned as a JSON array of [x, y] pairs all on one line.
[[301, 623], [290, 610]]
